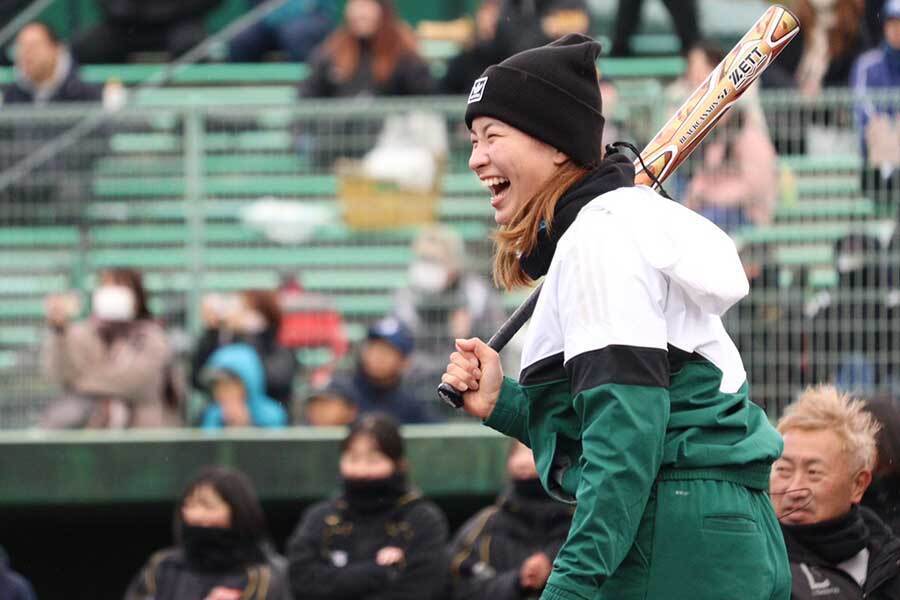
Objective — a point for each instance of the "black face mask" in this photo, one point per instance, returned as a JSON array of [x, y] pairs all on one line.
[[835, 540], [216, 549], [529, 488], [374, 495]]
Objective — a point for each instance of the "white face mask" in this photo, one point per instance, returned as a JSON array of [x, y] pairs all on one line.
[[114, 303], [849, 261], [428, 276]]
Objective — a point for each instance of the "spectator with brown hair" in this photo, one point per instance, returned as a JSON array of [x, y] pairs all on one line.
[[252, 317], [373, 53], [116, 367]]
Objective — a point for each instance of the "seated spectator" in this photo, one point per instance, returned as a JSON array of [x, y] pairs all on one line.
[[236, 380], [506, 551], [879, 121], [833, 543], [443, 302], [333, 406], [45, 71], [847, 333], [311, 320], [295, 28], [883, 496], [127, 26], [12, 585], [379, 383], [528, 24], [116, 367], [379, 538], [484, 50], [221, 549], [831, 37], [373, 53], [735, 183], [252, 317], [684, 16]]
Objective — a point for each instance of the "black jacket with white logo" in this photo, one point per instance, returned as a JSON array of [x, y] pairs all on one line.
[[815, 578]]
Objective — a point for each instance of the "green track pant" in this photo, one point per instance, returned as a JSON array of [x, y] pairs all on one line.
[[703, 539]]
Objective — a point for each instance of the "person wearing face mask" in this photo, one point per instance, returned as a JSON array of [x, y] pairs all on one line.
[[379, 539], [878, 120], [379, 383], [116, 367], [236, 381], [838, 549], [443, 302], [221, 549], [252, 317], [373, 53], [506, 551]]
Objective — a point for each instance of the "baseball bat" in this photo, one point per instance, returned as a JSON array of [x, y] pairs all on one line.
[[683, 133]]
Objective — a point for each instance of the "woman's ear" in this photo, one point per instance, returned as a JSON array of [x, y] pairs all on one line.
[[559, 158]]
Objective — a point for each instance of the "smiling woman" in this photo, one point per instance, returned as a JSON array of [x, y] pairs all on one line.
[[631, 396]]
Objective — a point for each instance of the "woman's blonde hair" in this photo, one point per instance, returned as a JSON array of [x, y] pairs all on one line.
[[519, 237], [824, 408]]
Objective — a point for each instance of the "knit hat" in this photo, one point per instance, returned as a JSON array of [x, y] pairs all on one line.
[[551, 93]]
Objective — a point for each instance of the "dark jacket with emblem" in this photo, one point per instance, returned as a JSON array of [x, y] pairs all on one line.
[[168, 575], [332, 552], [815, 577], [489, 550]]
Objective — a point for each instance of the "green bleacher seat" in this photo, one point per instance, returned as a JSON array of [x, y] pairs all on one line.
[[21, 308], [817, 254], [813, 232], [30, 260], [828, 185], [20, 284], [156, 142], [215, 96], [20, 335], [173, 166], [855, 208], [38, 236], [804, 164]]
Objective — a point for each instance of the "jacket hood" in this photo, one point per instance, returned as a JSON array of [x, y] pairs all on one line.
[[686, 247], [243, 362]]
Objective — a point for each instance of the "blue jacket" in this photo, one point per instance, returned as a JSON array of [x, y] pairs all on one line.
[[242, 361], [874, 70]]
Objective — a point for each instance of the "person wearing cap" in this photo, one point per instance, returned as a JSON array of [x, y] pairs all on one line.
[[333, 406], [878, 119], [236, 379], [442, 302], [379, 382], [632, 397]]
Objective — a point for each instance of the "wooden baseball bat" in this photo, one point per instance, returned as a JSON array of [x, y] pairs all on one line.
[[683, 132]]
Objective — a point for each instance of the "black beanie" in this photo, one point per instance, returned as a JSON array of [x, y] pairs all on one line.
[[551, 93]]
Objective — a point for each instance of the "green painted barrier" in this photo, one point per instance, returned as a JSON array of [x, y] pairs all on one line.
[[295, 464]]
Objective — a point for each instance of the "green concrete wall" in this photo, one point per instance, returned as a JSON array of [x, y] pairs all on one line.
[[297, 464]]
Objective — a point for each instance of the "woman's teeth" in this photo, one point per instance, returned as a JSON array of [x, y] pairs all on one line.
[[495, 184]]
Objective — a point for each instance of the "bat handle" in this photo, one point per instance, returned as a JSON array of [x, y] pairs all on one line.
[[450, 395]]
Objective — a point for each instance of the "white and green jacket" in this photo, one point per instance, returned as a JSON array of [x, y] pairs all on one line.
[[627, 370]]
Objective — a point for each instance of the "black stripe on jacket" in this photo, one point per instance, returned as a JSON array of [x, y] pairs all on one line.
[[625, 365]]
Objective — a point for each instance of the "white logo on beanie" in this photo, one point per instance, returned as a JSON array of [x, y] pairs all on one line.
[[477, 90]]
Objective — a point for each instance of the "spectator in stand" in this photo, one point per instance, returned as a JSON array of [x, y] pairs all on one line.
[[126, 26], [527, 24], [252, 317], [379, 383], [484, 50], [236, 380], [735, 183], [333, 406], [12, 585], [295, 28], [684, 16], [506, 551], [221, 548], [879, 121], [833, 543], [116, 367], [45, 71], [847, 336], [379, 538], [443, 302], [883, 496], [830, 39], [373, 53]]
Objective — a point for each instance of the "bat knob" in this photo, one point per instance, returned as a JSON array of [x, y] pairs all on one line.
[[450, 395]]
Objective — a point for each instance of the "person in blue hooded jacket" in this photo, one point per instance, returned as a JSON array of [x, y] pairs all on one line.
[[237, 383]]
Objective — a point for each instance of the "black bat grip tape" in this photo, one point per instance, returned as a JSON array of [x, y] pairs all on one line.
[[449, 394]]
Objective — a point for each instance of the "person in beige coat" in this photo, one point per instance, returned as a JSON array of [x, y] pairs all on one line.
[[115, 367]]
